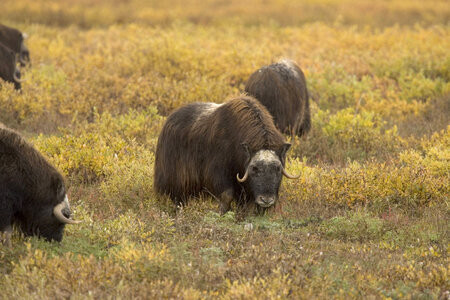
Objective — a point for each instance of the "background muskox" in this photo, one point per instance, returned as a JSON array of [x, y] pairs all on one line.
[[281, 88], [14, 39], [32, 192], [8, 69], [205, 146]]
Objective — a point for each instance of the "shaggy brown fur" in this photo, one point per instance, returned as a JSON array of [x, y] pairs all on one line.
[[14, 40], [201, 149], [281, 88], [29, 188]]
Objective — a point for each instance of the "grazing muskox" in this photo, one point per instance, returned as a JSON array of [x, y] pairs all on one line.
[[231, 150], [281, 88], [14, 40], [8, 69], [32, 192]]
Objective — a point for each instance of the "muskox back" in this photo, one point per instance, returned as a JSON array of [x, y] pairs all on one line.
[[281, 88], [203, 146], [32, 192]]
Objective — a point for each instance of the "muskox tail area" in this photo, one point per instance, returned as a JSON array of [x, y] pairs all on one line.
[[177, 156], [166, 161]]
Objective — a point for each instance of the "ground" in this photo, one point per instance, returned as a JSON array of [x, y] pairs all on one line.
[[368, 217]]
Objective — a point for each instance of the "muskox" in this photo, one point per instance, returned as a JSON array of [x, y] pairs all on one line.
[[32, 192], [14, 40], [281, 88], [8, 68], [232, 151]]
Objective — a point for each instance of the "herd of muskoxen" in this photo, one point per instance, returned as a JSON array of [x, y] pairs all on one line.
[[234, 151]]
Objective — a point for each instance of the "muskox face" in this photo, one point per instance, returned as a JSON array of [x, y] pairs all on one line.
[[263, 175], [24, 55], [8, 70], [49, 220], [47, 226]]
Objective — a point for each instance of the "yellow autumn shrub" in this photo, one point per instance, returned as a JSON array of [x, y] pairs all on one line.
[[368, 216]]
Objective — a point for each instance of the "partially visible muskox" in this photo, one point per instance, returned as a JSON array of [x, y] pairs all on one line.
[[231, 150], [281, 88], [8, 68], [32, 192], [14, 40]]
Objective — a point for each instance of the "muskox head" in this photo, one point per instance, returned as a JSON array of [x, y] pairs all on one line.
[[9, 70], [24, 53], [48, 220], [263, 174]]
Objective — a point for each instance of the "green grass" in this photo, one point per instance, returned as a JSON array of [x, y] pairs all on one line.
[[367, 218]]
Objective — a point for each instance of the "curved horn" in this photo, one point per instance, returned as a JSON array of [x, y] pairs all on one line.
[[285, 173], [57, 211], [22, 60], [243, 178], [17, 79]]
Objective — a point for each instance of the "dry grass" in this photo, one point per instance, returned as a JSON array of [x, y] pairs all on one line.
[[92, 13], [368, 217]]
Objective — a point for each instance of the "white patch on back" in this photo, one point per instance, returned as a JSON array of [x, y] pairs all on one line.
[[290, 65], [209, 108], [265, 156]]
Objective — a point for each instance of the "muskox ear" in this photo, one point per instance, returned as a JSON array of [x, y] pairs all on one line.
[[246, 152], [284, 150]]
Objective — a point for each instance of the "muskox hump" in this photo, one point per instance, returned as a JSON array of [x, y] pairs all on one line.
[[281, 88]]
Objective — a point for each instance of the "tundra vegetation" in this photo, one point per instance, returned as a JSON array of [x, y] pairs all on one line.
[[368, 217]]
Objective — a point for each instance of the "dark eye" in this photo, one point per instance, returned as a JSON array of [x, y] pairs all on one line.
[[255, 169], [276, 169]]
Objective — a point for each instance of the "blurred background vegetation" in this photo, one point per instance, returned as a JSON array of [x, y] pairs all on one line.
[[368, 218], [93, 13]]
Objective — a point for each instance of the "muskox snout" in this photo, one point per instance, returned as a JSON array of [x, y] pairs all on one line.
[[265, 201]]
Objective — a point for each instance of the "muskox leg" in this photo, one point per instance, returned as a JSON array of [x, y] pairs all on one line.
[[261, 210], [294, 130], [6, 236], [6, 211], [243, 209], [179, 205], [225, 201], [305, 126]]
